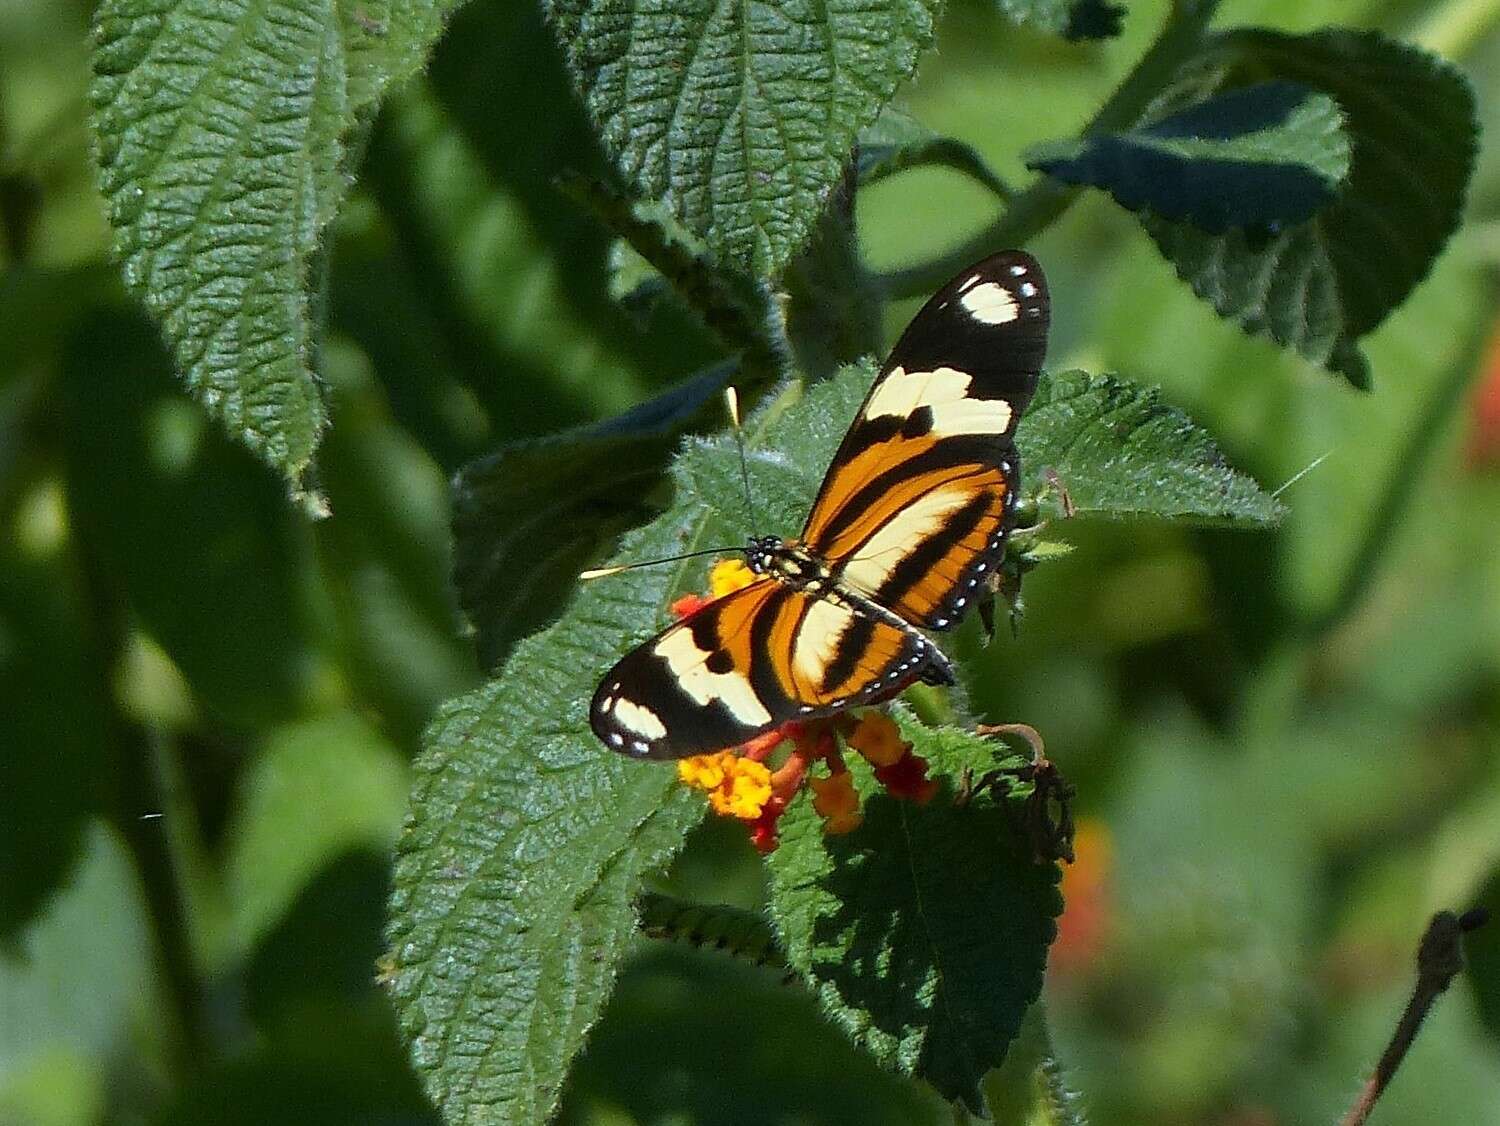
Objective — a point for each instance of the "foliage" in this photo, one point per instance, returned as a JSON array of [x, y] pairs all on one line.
[[465, 282]]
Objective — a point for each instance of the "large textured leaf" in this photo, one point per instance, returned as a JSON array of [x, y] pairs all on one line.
[[1318, 286], [528, 517], [1121, 451], [220, 132], [924, 932], [527, 839], [1269, 153], [740, 116]]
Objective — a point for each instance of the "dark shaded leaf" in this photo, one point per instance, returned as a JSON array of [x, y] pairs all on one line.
[[55, 763], [339, 1065], [924, 932], [1318, 286], [1482, 950], [730, 1045], [1269, 153], [530, 516]]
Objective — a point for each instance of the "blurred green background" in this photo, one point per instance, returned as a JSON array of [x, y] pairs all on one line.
[[1287, 746]]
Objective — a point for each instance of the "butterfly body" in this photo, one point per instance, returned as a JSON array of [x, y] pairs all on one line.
[[906, 533]]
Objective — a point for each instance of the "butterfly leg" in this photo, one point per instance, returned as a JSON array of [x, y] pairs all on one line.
[[1046, 817]]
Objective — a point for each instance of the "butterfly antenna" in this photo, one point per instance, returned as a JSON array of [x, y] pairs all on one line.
[[1317, 461], [732, 401], [602, 572]]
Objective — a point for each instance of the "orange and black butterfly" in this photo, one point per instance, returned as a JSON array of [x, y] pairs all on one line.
[[909, 524]]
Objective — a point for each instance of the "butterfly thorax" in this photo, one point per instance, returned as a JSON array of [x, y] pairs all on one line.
[[789, 562]]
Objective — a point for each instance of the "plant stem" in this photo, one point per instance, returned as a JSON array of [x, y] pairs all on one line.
[[1440, 957], [1041, 204]]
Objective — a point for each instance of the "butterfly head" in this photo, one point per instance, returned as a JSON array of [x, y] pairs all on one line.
[[762, 551]]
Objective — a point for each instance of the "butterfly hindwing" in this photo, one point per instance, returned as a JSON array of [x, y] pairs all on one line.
[[746, 663], [917, 502]]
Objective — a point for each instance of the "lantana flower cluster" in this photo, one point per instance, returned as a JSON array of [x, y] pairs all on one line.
[[756, 782]]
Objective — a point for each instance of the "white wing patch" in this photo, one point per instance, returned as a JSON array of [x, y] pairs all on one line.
[[945, 391], [883, 552], [991, 304], [690, 669], [635, 718], [818, 639]]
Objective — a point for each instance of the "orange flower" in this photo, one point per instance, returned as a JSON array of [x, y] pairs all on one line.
[[837, 802], [1484, 409], [878, 739]]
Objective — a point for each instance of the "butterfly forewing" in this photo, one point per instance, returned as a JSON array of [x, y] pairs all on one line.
[[747, 663], [916, 504]]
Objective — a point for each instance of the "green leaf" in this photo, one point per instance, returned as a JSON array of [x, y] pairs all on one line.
[[79, 982], [1072, 19], [386, 562], [1318, 286], [924, 932], [330, 785], [530, 516], [898, 141], [1269, 153], [1120, 451], [740, 117], [221, 133]]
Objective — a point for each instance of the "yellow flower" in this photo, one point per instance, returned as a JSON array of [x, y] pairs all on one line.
[[877, 737], [736, 787], [745, 792], [729, 575], [704, 772]]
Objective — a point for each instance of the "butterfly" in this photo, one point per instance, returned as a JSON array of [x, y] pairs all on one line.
[[904, 536]]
